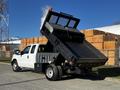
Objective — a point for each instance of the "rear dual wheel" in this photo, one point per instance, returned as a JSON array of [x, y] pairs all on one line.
[[53, 72]]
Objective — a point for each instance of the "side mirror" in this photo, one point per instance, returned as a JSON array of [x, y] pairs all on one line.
[[17, 52], [21, 53]]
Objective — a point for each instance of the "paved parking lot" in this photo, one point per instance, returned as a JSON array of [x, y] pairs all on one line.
[[29, 80]]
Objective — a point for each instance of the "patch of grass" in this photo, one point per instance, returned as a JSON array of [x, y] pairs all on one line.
[[5, 60]]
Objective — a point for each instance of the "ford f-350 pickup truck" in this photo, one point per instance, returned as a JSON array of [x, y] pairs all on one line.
[[66, 52]]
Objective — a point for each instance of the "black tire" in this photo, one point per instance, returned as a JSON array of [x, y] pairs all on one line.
[[15, 67], [60, 72], [87, 71], [52, 72]]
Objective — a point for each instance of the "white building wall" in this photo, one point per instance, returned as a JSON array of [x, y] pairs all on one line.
[[12, 42], [115, 29]]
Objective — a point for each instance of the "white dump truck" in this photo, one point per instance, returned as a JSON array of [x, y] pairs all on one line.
[[66, 52]]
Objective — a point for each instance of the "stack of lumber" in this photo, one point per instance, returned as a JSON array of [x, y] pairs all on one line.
[[26, 41], [107, 43]]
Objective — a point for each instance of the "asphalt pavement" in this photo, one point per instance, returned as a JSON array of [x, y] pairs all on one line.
[[29, 80]]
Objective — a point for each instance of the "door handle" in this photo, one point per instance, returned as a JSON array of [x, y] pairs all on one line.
[[27, 57]]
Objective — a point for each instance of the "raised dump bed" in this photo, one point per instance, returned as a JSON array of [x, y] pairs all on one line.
[[60, 30]]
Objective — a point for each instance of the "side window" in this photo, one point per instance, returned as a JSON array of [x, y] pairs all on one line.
[[33, 49], [26, 50], [41, 49]]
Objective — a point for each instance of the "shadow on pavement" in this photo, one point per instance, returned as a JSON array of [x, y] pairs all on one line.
[[93, 77], [99, 74], [109, 71]]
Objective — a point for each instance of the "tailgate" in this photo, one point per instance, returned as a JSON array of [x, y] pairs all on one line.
[[86, 52]]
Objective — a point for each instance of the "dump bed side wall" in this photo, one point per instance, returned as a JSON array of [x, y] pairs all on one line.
[[60, 47]]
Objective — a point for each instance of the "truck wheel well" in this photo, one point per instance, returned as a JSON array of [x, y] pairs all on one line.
[[60, 59], [14, 60]]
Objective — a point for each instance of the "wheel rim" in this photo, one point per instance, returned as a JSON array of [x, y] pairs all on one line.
[[49, 72], [14, 66]]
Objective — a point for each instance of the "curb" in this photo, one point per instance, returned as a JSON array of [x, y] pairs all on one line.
[[4, 63], [112, 79]]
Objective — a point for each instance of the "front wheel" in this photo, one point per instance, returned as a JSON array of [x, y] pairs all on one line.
[[52, 73], [15, 67]]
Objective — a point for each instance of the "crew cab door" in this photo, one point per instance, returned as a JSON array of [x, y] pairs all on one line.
[[23, 61], [28, 57]]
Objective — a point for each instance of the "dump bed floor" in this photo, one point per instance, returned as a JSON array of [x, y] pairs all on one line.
[[83, 50]]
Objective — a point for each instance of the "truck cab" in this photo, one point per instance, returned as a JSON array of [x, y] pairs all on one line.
[[26, 58], [31, 56]]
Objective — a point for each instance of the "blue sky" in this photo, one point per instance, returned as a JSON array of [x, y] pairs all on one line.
[[25, 14]]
